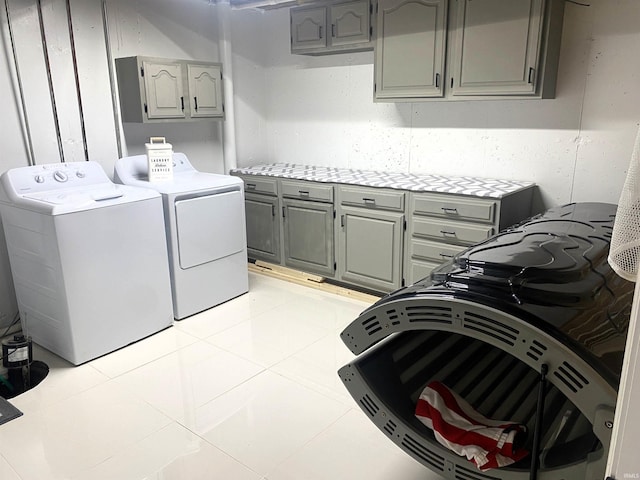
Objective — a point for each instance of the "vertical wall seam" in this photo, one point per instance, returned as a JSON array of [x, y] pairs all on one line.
[[47, 63], [74, 60], [112, 83], [26, 129]]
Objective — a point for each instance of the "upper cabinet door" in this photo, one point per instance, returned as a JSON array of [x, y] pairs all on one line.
[[496, 47], [163, 86], [350, 23], [308, 28], [205, 90], [410, 48]]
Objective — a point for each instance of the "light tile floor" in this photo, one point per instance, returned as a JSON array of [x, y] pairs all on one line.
[[245, 391]]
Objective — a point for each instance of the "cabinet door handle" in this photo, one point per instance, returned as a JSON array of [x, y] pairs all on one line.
[[437, 80], [333, 30], [273, 210], [531, 72], [320, 31], [342, 221], [195, 100], [446, 232], [283, 215], [182, 102], [449, 210]]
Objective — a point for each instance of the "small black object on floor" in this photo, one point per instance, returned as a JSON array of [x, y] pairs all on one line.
[[22, 379]]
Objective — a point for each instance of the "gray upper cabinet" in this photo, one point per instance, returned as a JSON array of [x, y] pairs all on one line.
[[205, 89], [410, 48], [466, 49], [156, 90], [496, 47], [163, 89], [331, 28]]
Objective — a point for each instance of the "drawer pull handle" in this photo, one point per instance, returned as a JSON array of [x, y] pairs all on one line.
[[303, 193], [446, 255], [445, 232], [449, 210], [369, 200], [251, 186]]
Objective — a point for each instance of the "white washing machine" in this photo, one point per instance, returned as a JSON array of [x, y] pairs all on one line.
[[206, 232], [87, 257]]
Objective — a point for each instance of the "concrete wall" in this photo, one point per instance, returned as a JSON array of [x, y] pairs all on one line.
[[319, 110]]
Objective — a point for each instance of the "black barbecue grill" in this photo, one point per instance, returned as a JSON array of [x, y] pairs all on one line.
[[539, 296]]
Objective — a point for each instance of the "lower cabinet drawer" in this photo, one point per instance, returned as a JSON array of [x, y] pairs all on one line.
[[454, 207], [419, 269], [452, 232], [263, 185], [434, 251]]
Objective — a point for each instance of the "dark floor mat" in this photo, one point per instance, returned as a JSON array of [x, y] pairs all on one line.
[[8, 411]]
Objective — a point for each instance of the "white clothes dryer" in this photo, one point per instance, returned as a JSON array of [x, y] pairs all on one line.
[[205, 232], [87, 258]]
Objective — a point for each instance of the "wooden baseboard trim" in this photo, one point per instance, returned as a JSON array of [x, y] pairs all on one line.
[[308, 280]]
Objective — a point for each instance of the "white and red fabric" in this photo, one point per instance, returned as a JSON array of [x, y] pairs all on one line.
[[457, 426]]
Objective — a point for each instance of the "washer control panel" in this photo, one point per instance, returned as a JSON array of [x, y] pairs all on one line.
[[55, 176]]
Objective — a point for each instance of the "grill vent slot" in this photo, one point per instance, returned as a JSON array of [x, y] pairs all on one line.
[[423, 452], [393, 317], [536, 350], [429, 314], [464, 474], [490, 327], [390, 427], [371, 325], [573, 379], [369, 405]]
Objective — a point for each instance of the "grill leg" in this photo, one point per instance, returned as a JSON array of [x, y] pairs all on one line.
[[535, 454]]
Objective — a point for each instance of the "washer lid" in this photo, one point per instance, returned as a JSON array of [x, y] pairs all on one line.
[[82, 198]]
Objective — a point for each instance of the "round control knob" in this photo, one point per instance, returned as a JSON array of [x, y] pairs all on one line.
[[60, 176], [80, 174], [39, 179]]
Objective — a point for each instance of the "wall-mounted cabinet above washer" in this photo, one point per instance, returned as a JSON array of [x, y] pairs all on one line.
[[329, 27], [466, 49], [155, 90]]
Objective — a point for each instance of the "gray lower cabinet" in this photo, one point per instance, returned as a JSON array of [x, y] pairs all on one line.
[[442, 225], [262, 207], [379, 239], [370, 237], [308, 219], [263, 227]]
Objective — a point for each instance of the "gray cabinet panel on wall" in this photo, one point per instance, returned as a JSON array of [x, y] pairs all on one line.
[[155, 90], [263, 227], [496, 47], [331, 27], [308, 236], [410, 48], [308, 28]]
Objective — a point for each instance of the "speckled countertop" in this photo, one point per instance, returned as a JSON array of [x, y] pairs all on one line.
[[477, 187]]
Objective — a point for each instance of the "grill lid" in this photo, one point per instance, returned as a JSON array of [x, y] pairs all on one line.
[[552, 272]]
